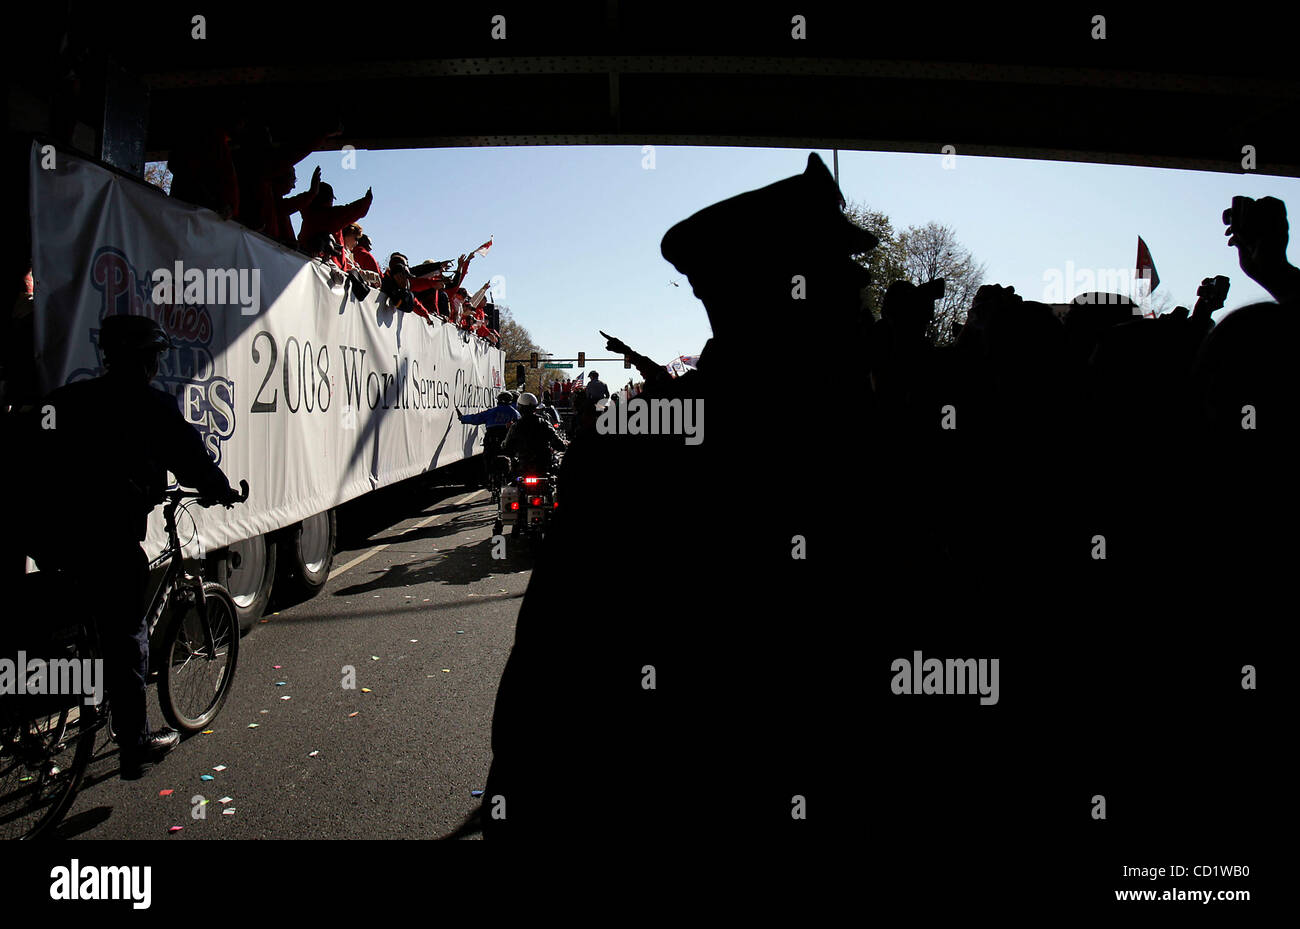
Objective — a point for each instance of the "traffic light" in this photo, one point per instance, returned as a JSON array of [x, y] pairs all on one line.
[[521, 375], [582, 359], [534, 359], [627, 362]]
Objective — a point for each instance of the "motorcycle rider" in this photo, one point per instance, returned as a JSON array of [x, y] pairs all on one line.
[[596, 388], [498, 419], [532, 439], [547, 409], [123, 436]]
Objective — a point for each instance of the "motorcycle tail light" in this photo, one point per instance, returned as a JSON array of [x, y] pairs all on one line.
[[530, 480], [555, 505], [536, 501], [514, 505]]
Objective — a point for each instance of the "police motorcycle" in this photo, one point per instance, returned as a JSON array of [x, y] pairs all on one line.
[[528, 498]]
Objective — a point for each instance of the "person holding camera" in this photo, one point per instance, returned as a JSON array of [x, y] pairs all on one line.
[[396, 288], [1259, 231]]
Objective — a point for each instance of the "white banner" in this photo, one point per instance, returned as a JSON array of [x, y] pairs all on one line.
[[310, 395]]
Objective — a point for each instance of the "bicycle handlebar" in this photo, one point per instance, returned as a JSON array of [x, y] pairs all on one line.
[[176, 496]]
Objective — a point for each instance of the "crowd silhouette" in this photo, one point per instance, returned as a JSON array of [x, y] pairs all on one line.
[[1083, 495]]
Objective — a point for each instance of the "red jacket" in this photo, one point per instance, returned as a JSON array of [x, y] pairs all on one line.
[[318, 220], [366, 260]]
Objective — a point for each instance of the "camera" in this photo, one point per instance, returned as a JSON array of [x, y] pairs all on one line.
[[931, 290]]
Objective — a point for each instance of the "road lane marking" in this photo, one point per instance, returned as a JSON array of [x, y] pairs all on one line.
[[379, 548]]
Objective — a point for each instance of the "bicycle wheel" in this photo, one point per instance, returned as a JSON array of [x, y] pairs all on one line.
[[43, 758], [194, 679]]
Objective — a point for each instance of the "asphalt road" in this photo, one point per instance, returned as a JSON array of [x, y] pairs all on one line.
[[418, 607]]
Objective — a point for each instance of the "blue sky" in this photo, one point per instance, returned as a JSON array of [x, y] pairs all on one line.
[[577, 229]]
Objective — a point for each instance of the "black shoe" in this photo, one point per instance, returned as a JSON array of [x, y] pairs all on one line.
[[137, 761]]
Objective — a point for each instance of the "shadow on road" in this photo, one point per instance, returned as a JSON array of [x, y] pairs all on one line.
[[462, 565], [83, 822], [390, 611]]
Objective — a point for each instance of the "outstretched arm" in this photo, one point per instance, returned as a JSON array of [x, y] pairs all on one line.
[[650, 369]]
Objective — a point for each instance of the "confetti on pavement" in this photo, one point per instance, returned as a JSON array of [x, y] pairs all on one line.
[[446, 670], [276, 667], [164, 793], [357, 713], [225, 800], [175, 828], [255, 725], [229, 812], [208, 731], [313, 754], [219, 767], [286, 697], [365, 690], [476, 793], [280, 683], [206, 777]]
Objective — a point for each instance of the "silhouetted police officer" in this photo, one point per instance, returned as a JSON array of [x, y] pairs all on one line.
[[697, 703], [104, 449]]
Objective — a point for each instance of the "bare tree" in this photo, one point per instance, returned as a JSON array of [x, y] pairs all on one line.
[[885, 261], [157, 174], [517, 342], [932, 251], [1157, 304]]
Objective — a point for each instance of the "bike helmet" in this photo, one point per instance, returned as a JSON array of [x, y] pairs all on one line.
[[505, 397], [527, 401]]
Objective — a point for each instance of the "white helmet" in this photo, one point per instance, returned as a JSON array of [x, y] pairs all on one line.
[[527, 401]]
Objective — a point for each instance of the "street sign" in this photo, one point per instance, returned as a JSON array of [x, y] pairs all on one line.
[[551, 364]]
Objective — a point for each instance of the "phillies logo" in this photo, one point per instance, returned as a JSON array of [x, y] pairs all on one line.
[[187, 370], [496, 378]]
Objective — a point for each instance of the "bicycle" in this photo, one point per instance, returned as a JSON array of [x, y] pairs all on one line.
[[46, 742]]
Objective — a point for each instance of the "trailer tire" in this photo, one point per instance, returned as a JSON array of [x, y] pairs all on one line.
[[307, 554], [250, 590]]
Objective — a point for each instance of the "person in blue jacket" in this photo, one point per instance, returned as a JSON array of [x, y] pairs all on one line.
[[498, 421]]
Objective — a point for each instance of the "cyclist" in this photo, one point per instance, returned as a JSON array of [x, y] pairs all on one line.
[[532, 439], [498, 420], [124, 435]]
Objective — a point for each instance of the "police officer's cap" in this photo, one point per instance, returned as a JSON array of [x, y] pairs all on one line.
[[798, 215]]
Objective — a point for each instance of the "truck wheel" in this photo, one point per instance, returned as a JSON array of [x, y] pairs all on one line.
[[307, 553], [248, 572]]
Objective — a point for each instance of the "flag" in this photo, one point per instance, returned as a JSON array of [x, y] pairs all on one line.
[[578, 382], [482, 249], [1146, 268], [691, 361]]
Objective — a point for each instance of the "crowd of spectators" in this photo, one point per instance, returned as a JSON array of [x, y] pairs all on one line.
[[243, 174]]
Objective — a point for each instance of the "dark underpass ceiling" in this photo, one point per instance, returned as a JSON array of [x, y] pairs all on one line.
[[1158, 91]]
